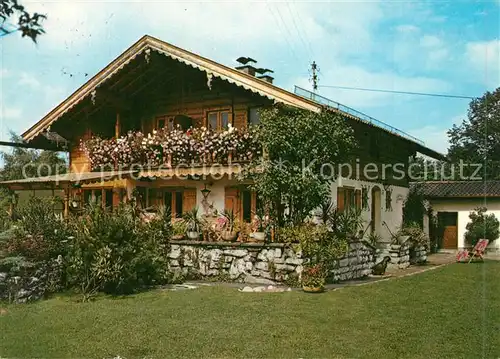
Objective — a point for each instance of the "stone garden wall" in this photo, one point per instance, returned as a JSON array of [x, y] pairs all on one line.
[[259, 263], [22, 281], [402, 255]]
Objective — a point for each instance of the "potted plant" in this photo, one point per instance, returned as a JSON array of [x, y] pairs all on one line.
[[259, 226], [193, 224], [313, 279], [179, 229], [230, 228]]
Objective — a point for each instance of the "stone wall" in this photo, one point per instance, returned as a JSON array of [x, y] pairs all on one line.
[[357, 263], [402, 255], [259, 263], [22, 281], [418, 255]]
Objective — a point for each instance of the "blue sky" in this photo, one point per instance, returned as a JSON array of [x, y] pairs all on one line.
[[439, 47]]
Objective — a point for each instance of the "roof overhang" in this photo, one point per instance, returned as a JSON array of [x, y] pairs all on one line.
[[66, 180], [147, 44]]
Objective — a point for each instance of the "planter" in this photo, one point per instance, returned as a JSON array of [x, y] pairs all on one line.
[[229, 235], [259, 236], [178, 237], [313, 289], [193, 235]]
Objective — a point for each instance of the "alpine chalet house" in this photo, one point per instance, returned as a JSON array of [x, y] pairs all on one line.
[[157, 89]]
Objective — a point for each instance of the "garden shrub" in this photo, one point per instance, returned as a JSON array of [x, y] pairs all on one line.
[[116, 252], [39, 234], [481, 226], [416, 234]]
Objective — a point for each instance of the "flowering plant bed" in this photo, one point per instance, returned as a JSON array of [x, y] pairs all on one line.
[[313, 279], [167, 147]]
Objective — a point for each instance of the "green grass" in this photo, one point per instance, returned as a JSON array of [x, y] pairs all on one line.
[[444, 313]]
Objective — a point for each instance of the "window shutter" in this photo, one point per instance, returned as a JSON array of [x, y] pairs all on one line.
[[358, 198], [188, 199], [231, 200], [340, 199]]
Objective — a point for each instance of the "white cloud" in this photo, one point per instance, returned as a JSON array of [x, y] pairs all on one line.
[[436, 137], [430, 41], [221, 26], [8, 116], [438, 55], [407, 28], [355, 76], [484, 58], [26, 79], [11, 113]]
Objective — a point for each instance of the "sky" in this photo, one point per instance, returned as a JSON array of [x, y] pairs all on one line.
[[444, 47]]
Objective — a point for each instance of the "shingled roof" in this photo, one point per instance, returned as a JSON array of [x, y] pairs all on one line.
[[459, 189]]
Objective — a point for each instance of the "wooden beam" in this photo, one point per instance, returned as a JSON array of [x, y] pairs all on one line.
[[31, 145], [117, 126]]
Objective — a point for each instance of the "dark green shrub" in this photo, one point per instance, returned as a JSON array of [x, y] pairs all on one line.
[[39, 234], [481, 226], [116, 252]]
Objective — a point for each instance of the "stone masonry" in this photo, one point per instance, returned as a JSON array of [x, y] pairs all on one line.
[[259, 263]]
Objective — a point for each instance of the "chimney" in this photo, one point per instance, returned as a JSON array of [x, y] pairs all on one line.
[[266, 78], [247, 69]]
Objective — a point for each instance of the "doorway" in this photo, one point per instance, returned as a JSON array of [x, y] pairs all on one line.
[[375, 210], [448, 222]]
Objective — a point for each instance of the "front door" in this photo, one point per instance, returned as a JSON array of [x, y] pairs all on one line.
[[448, 221], [375, 213]]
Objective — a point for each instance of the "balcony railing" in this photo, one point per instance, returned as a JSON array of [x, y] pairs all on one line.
[[197, 146]]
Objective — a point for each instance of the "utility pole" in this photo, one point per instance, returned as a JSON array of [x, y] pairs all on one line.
[[314, 79]]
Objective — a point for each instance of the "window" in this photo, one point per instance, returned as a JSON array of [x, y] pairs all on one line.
[[246, 205], [218, 120], [242, 201], [348, 198], [178, 204], [141, 196], [87, 197], [388, 198], [167, 200], [254, 116], [165, 121], [108, 198]]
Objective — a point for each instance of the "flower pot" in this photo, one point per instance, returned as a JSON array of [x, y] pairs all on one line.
[[178, 237], [229, 235], [193, 235], [259, 236], [313, 289]]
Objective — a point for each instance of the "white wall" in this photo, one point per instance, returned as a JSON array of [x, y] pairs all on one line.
[[393, 218], [463, 207]]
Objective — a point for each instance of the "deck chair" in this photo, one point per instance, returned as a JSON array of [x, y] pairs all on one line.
[[462, 255], [478, 250]]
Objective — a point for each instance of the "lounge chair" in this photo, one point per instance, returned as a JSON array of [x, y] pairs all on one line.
[[477, 252], [479, 249]]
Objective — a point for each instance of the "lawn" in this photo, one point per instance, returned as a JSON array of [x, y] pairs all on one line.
[[451, 312]]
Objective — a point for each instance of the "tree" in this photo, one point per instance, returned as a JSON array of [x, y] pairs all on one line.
[[292, 179], [477, 139], [29, 25], [423, 169], [481, 226], [20, 163], [23, 162]]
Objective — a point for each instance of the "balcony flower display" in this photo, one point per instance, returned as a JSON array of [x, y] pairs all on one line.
[[196, 146]]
